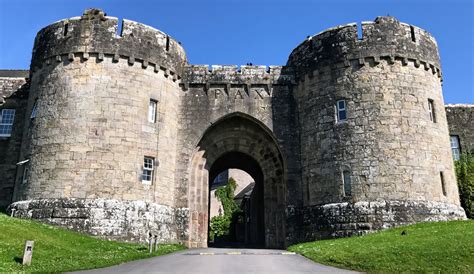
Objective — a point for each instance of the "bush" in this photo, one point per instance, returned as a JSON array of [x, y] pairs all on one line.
[[219, 228], [465, 178]]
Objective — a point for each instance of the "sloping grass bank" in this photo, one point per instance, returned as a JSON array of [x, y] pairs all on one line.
[[58, 250], [444, 247]]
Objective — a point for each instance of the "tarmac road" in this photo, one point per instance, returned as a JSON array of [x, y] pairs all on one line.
[[223, 260]]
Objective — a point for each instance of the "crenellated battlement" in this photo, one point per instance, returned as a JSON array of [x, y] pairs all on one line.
[[234, 75], [385, 37], [96, 33]]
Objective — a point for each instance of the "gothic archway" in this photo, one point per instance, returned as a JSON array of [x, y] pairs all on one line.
[[239, 141]]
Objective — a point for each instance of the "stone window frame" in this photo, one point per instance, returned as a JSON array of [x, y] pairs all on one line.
[[7, 118], [152, 110], [432, 110], [24, 176], [148, 170], [34, 110], [346, 182], [340, 110], [455, 147]]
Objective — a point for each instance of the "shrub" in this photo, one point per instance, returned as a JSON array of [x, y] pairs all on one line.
[[219, 228], [465, 178]]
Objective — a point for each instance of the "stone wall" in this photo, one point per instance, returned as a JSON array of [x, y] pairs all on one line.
[[388, 143], [108, 218], [461, 123], [13, 95], [345, 219], [91, 132]]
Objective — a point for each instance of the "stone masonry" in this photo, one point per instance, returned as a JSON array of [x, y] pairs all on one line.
[[461, 124], [80, 160]]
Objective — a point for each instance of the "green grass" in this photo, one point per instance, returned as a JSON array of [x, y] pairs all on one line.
[[443, 247], [58, 250]]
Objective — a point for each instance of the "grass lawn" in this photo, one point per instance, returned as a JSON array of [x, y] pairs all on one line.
[[58, 249], [444, 247]]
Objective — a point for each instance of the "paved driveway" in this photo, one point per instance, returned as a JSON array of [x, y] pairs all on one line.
[[221, 260]]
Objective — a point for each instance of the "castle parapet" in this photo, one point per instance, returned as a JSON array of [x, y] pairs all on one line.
[[384, 38], [94, 33], [233, 75]]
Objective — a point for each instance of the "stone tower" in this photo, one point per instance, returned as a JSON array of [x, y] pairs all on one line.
[[392, 148], [122, 136]]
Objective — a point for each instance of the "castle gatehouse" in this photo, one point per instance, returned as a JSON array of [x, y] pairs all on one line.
[[117, 135]]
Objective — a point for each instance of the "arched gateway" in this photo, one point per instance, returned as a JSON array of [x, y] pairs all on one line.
[[120, 135], [240, 141]]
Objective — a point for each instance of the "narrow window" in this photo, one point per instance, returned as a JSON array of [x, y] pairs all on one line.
[[341, 110], [33, 110], [346, 177], [148, 166], [167, 43], [412, 32], [455, 147], [443, 186], [431, 109], [24, 177], [66, 28], [7, 116], [152, 111]]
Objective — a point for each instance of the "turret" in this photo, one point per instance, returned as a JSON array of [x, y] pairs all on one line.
[[374, 137]]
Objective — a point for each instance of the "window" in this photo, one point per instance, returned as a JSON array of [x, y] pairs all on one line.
[[24, 177], [443, 186], [455, 147], [33, 110], [6, 122], [341, 110], [346, 177], [152, 111], [148, 166], [431, 109]]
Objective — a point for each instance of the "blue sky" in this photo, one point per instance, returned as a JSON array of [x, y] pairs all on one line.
[[261, 32]]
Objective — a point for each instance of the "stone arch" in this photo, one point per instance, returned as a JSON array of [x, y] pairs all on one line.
[[238, 141]]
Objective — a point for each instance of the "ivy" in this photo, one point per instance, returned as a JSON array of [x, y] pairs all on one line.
[[465, 179], [220, 226]]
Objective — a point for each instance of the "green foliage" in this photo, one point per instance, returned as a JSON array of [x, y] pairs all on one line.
[[442, 247], [220, 226], [59, 250], [225, 194], [465, 178]]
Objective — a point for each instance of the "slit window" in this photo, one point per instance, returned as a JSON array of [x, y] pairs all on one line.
[[34, 109], [341, 113], [443, 185], [24, 177], [7, 116], [455, 147], [66, 28], [346, 178], [148, 167], [412, 32], [431, 110], [152, 111]]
